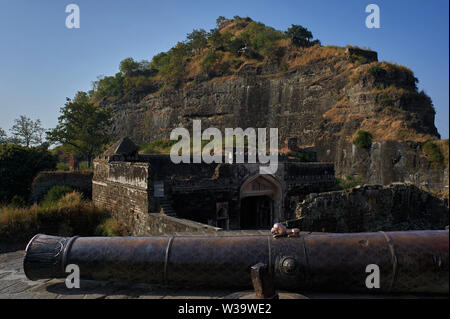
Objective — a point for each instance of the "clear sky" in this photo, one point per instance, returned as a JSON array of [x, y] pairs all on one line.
[[42, 62]]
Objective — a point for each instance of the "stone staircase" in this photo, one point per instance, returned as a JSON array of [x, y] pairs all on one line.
[[166, 208]]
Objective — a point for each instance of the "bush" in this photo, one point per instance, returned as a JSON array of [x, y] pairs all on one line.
[[377, 72], [69, 216], [433, 153], [111, 227], [162, 146], [61, 166], [56, 193], [18, 167], [363, 139], [209, 61], [348, 182]]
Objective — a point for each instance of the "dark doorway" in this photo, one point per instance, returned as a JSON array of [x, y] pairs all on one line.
[[256, 212]]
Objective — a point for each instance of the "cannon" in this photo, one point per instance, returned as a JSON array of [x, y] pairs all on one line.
[[408, 262]]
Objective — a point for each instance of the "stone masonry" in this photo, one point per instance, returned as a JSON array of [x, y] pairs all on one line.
[[396, 207], [144, 191]]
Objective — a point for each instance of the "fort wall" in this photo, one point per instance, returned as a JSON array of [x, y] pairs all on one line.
[[44, 181]]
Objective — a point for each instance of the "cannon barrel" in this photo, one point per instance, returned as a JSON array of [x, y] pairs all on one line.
[[408, 262]]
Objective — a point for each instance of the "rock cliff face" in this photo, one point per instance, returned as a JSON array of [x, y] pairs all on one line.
[[372, 208], [322, 100]]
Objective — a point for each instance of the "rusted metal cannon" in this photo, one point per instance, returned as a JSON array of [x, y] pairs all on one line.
[[408, 262]]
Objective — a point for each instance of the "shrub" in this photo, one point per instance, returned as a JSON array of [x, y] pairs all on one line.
[[348, 182], [363, 139], [61, 166], [69, 216], [111, 227], [433, 153], [377, 72], [209, 61], [56, 193], [18, 167], [386, 101]]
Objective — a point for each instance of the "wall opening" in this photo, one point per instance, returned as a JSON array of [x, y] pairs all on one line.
[[256, 212], [260, 204]]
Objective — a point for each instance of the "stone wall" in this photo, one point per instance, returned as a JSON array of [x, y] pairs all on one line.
[[44, 181], [137, 188], [387, 162], [160, 224], [395, 207], [122, 188]]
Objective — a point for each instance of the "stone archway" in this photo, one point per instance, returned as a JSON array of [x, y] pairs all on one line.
[[260, 201]]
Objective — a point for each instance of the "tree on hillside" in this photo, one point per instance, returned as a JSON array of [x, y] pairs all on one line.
[[3, 137], [82, 127], [300, 36], [130, 67], [27, 132], [197, 39], [219, 21]]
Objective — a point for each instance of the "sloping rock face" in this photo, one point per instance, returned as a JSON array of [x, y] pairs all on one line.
[[322, 103], [372, 208]]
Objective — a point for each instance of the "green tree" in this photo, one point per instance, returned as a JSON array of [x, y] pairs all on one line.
[[27, 132], [82, 127], [219, 21], [300, 36], [130, 67], [18, 167], [170, 65], [215, 39], [363, 139], [3, 137], [198, 40]]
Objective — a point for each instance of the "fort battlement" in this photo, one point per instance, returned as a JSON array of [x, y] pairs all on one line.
[[140, 190]]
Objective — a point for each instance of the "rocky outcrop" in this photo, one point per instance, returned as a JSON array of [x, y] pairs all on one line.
[[322, 102], [369, 208]]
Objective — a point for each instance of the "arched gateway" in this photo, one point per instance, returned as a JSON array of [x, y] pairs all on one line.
[[260, 202]]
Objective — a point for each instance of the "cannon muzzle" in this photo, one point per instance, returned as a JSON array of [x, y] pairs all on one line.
[[408, 262]]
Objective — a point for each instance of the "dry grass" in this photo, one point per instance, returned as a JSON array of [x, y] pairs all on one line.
[[303, 56], [71, 215]]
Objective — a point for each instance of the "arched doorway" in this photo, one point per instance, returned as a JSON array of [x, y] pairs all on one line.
[[261, 199]]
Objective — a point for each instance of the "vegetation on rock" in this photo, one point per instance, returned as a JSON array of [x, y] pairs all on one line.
[[348, 182], [363, 139], [433, 153]]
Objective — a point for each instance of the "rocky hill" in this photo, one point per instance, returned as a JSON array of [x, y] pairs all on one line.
[[245, 74]]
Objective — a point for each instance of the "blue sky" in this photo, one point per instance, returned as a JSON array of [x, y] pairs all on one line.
[[42, 62]]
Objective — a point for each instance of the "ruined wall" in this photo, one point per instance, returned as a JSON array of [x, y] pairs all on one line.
[[122, 188], [44, 181], [126, 187], [161, 224], [398, 206]]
